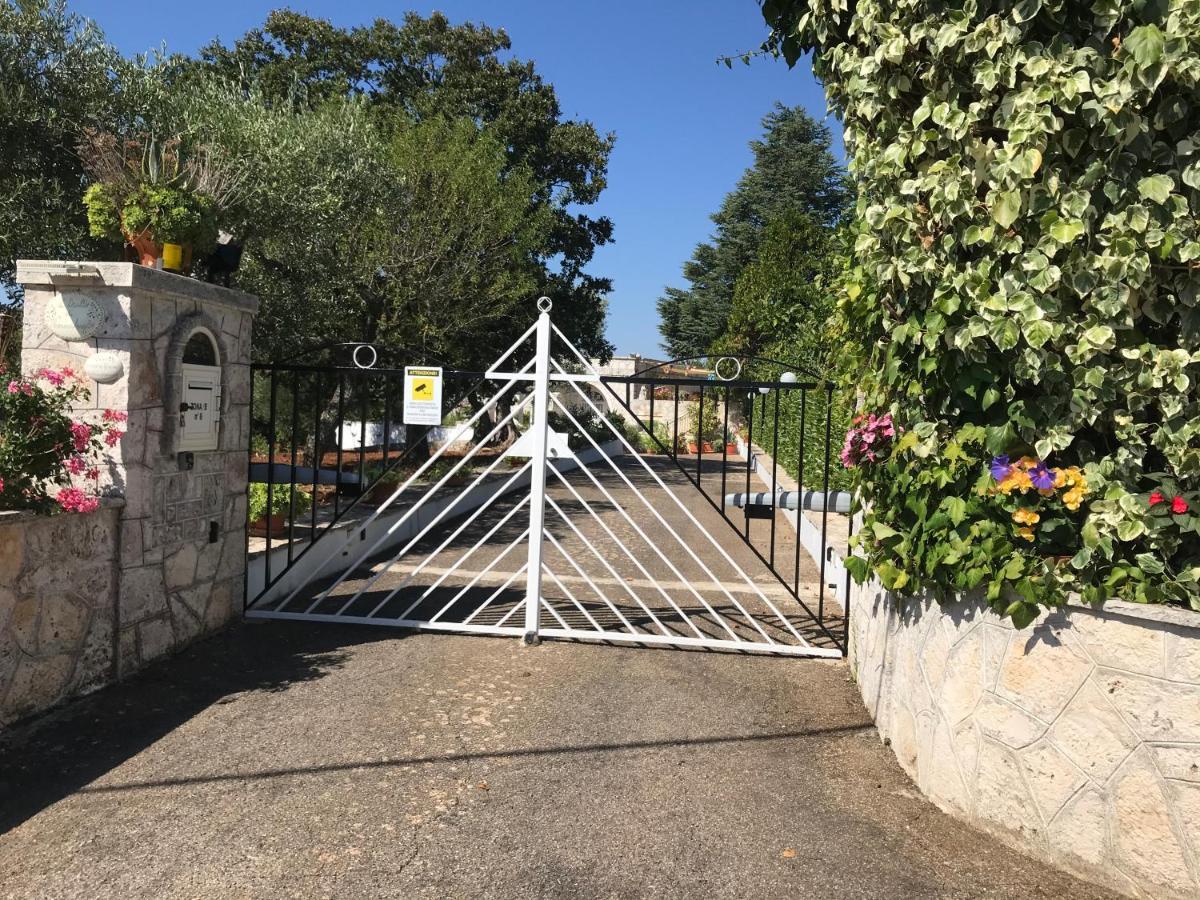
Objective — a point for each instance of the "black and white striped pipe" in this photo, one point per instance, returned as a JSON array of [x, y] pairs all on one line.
[[834, 501]]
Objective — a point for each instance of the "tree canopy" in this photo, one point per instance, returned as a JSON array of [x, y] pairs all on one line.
[[398, 182], [794, 172], [783, 300], [426, 67], [54, 79]]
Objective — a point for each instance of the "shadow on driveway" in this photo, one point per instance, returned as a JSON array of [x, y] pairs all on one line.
[[51, 756]]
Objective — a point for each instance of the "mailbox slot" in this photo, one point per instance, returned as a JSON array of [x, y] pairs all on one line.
[[199, 408], [199, 403]]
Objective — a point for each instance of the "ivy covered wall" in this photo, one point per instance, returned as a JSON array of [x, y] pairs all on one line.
[[1023, 298]]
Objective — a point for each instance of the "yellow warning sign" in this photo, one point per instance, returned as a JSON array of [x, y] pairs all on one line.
[[422, 395]]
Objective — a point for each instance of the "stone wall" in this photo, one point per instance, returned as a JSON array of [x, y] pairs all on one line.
[[58, 589], [1076, 739], [182, 529]]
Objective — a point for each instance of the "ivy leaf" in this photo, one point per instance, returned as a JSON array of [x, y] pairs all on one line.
[[1006, 208], [882, 531], [1005, 332], [1150, 564], [1156, 187], [1128, 529], [1145, 43], [956, 509], [892, 578], [1029, 162], [1022, 613], [1066, 230], [858, 568], [1037, 333]]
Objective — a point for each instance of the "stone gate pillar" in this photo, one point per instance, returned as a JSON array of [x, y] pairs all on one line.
[[173, 353]]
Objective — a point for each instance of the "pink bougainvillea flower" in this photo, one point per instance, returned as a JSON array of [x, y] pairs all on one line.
[[50, 375], [76, 465], [112, 436], [93, 474], [81, 433], [1179, 505], [73, 499], [1157, 498], [112, 415], [14, 387]]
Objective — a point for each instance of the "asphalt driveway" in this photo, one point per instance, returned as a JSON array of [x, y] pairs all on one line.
[[307, 761]]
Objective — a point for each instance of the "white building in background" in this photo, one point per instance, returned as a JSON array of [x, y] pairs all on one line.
[[638, 395]]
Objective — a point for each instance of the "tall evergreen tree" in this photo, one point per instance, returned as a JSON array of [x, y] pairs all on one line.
[[794, 171]]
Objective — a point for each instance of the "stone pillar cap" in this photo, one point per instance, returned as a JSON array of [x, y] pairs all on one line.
[[85, 273]]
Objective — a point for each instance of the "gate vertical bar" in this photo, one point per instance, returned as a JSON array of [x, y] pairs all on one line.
[[537, 487]]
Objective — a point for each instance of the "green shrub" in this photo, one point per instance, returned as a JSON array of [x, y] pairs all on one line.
[[171, 215], [1025, 284], [281, 501]]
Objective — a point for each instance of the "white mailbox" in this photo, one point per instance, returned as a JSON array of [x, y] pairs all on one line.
[[200, 395]]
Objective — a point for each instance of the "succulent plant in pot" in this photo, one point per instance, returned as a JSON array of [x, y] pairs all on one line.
[[162, 198]]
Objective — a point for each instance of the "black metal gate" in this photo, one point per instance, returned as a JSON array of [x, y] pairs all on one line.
[[738, 430]]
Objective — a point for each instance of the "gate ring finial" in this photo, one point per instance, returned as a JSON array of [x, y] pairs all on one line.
[[736, 372], [544, 304], [374, 356]]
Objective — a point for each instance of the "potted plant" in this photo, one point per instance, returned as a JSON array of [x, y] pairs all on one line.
[[161, 198], [274, 521]]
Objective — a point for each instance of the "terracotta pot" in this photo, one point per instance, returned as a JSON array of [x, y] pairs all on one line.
[[707, 447], [692, 447], [380, 491], [144, 247], [276, 525], [731, 449]]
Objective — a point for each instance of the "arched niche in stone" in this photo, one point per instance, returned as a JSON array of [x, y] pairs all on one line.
[[195, 376]]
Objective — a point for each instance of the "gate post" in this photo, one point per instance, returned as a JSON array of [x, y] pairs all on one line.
[[537, 490]]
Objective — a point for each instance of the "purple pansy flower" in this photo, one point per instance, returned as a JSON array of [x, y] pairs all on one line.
[[1042, 477], [1000, 467]]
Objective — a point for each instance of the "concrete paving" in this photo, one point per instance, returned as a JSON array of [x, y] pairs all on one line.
[[293, 760]]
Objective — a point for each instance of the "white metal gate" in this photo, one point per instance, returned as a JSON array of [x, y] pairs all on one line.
[[585, 544]]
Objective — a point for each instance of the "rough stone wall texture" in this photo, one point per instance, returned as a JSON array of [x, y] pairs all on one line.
[[180, 574], [1076, 739], [58, 588]]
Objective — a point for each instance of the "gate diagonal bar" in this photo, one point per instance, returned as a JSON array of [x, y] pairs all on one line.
[[553, 524]]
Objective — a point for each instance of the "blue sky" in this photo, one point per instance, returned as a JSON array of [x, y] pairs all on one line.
[[644, 70]]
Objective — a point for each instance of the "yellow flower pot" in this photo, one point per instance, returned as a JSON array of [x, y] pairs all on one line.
[[172, 257]]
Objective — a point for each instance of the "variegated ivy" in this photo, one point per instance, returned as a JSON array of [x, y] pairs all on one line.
[[1028, 263]]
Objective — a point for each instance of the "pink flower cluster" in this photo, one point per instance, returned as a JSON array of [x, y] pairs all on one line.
[[53, 376], [72, 499], [81, 435], [68, 474], [868, 439]]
